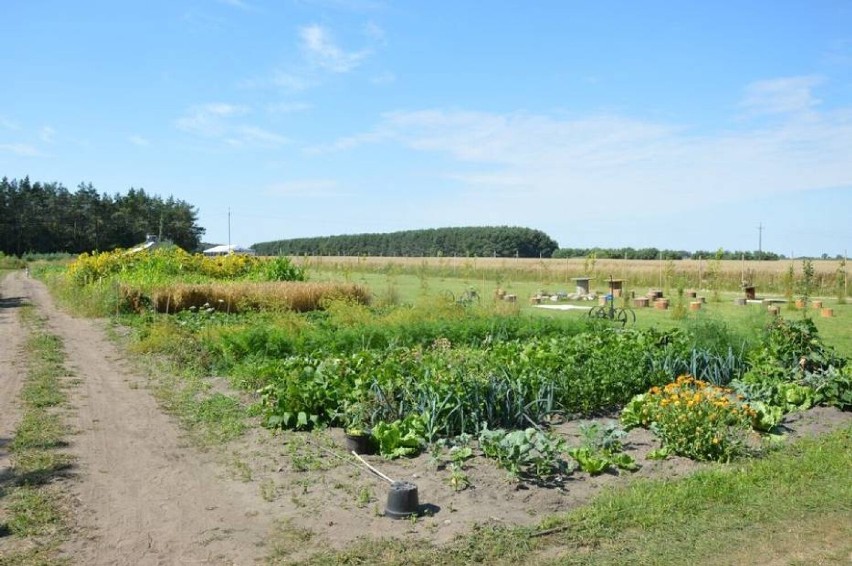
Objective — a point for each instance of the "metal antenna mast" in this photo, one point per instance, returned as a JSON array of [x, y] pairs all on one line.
[[760, 239]]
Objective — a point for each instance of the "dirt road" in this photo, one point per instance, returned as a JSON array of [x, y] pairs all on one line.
[[141, 495], [11, 366]]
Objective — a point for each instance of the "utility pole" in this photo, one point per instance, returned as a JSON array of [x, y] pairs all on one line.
[[760, 241]]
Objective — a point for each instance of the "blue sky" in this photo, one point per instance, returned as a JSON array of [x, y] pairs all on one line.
[[679, 125]]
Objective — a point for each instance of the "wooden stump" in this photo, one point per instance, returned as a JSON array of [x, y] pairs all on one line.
[[661, 304], [826, 313], [816, 304], [641, 302], [695, 305], [773, 310]]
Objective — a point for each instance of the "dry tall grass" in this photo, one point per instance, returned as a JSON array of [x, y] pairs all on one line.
[[239, 297], [767, 276]]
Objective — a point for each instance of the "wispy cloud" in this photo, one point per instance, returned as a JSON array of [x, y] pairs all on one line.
[[501, 164], [139, 141], [47, 134], [287, 81], [220, 121], [305, 188], [7, 124], [781, 96], [380, 134], [209, 119], [385, 78], [288, 107], [323, 51], [252, 135], [241, 4], [20, 149], [375, 33], [291, 82]]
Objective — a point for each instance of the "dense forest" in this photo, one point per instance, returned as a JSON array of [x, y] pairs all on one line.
[[46, 217], [482, 241]]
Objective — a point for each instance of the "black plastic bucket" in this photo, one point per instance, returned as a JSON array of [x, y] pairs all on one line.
[[403, 501]]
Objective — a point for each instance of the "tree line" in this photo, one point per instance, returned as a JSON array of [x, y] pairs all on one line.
[[655, 253], [46, 217], [471, 241]]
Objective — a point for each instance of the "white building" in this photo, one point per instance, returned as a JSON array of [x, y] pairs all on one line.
[[228, 250]]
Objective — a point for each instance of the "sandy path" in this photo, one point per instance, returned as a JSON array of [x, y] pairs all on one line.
[[12, 364], [142, 496]]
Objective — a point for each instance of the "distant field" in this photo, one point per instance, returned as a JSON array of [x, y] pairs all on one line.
[[767, 276]]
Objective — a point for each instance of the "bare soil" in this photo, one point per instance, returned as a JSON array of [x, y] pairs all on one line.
[[145, 494]]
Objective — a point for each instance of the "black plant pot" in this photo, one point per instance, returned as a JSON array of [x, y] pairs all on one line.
[[403, 501], [360, 443]]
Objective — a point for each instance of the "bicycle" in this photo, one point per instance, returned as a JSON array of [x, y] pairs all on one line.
[[609, 312]]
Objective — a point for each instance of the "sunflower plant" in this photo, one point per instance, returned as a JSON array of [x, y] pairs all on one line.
[[693, 418]]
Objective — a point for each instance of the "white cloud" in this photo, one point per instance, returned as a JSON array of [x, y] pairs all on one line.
[[209, 119], [139, 141], [251, 135], [218, 121], [288, 107], [781, 96], [507, 165], [322, 50], [236, 4], [47, 134], [385, 78], [291, 82], [21, 149], [7, 124], [374, 32], [380, 134], [284, 80], [305, 188]]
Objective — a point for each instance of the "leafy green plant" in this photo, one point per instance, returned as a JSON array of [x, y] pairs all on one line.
[[767, 417], [306, 396], [832, 386], [659, 453], [604, 437], [590, 461], [790, 350], [602, 448], [529, 453], [401, 437], [459, 480]]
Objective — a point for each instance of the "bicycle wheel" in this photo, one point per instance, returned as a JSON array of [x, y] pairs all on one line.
[[624, 316], [599, 312]]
